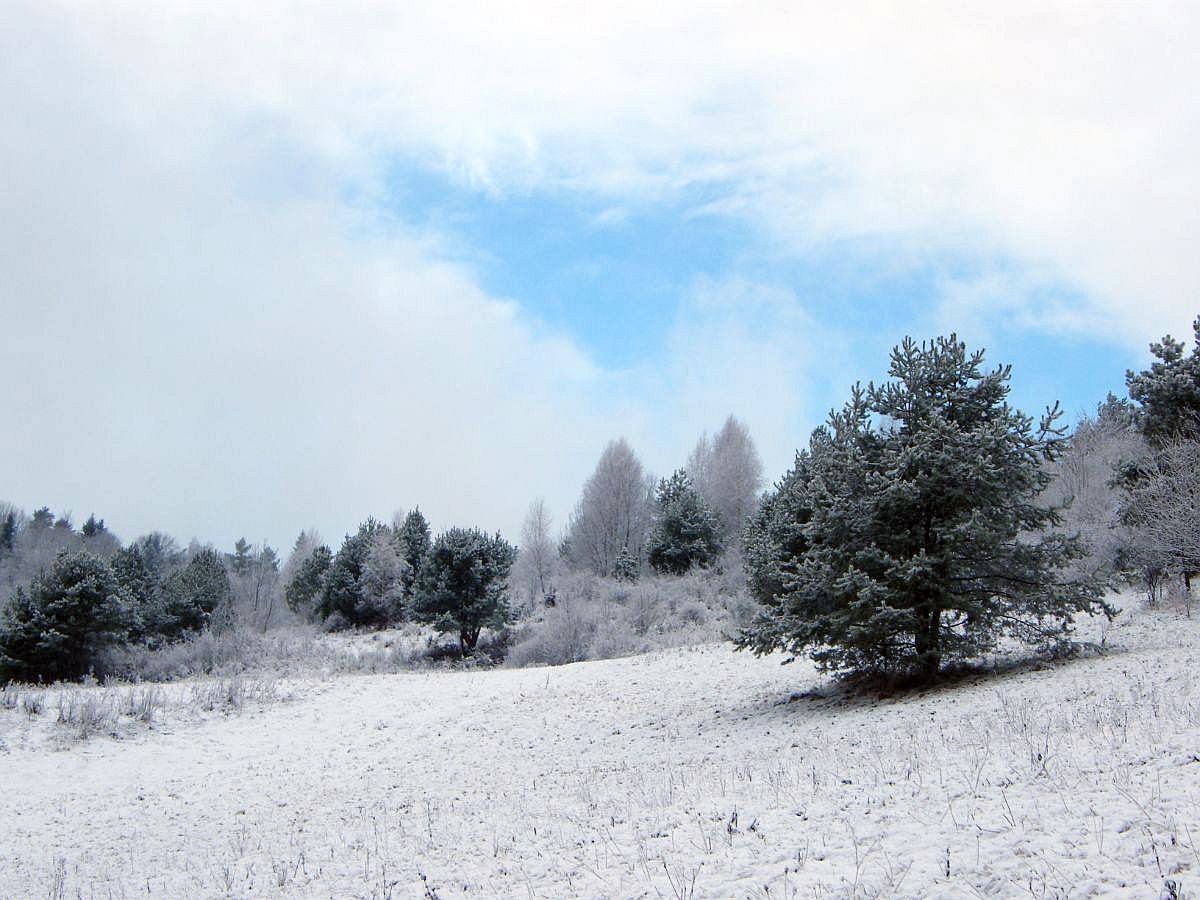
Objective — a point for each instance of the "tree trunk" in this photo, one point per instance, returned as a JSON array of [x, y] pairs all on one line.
[[928, 643], [467, 639]]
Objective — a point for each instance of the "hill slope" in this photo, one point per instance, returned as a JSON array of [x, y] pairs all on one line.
[[679, 774]]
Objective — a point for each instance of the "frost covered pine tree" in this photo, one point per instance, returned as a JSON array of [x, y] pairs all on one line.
[[60, 626], [910, 534], [463, 583], [1169, 391], [685, 530], [415, 538]]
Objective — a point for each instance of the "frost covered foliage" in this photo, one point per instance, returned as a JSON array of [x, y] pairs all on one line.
[[463, 583], [59, 627], [604, 618], [1160, 507], [685, 531], [297, 649], [727, 473], [613, 514], [910, 532], [1169, 391], [1085, 484], [30, 543], [363, 585]]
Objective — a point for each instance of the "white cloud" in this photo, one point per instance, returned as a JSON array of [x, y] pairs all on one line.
[[189, 296]]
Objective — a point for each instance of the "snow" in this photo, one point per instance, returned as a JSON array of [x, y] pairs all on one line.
[[687, 773]]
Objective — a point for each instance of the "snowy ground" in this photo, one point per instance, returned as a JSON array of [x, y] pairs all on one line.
[[685, 773]]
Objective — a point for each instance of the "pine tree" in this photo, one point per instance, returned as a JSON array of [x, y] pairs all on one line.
[[60, 626], [685, 531], [1169, 391], [138, 583], [626, 566], [363, 584], [462, 584], [242, 557], [197, 597], [41, 520], [8, 532], [304, 590], [910, 533], [415, 537]]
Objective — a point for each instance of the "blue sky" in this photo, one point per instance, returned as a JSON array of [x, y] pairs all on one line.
[[612, 278], [281, 268]]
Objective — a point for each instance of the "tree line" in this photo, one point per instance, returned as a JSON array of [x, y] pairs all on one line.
[[924, 521]]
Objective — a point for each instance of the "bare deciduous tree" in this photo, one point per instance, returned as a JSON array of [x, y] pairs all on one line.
[[613, 514], [534, 569], [1084, 480], [1161, 509], [727, 473]]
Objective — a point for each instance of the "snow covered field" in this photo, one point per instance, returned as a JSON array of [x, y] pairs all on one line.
[[686, 773]]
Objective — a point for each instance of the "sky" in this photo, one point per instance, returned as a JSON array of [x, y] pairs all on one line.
[[279, 266]]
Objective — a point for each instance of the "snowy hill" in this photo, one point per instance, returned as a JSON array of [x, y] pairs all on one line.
[[689, 773]]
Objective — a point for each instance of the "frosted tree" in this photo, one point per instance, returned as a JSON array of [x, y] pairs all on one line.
[[613, 513], [306, 579], [59, 627], [462, 585], [363, 586], [1160, 506], [1085, 488], [534, 568], [727, 474], [685, 529], [911, 531], [1169, 391], [413, 534]]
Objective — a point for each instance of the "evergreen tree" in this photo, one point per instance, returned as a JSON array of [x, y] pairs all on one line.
[[685, 530], [462, 583], [8, 532], [305, 589], [141, 590], [626, 566], [363, 584], [197, 597], [59, 627], [910, 532], [242, 557], [415, 538], [1169, 391], [41, 520]]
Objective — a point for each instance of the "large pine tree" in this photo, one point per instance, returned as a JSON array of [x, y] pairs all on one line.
[[910, 533]]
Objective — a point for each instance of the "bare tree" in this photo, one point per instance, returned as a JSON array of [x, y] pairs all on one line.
[[1085, 486], [727, 473], [613, 514], [534, 569], [1161, 510]]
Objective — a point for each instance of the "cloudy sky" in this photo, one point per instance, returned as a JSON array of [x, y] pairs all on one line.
[[271, 266]]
